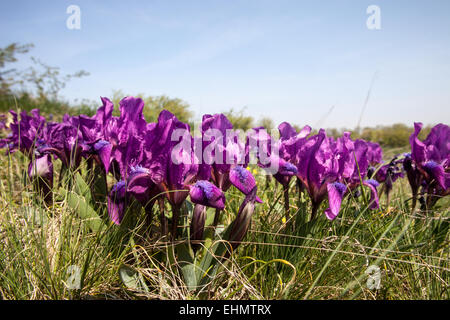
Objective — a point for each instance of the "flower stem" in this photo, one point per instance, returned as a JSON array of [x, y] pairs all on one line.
[[315, 207], [175, 217], [286, 201], [216, 218], [149, 215], [164, 226], [414, 202], [268, 181]]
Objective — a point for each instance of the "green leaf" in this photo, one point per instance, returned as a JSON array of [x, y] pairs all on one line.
[[85, 211], [82, 188], [132, 279], [186, 262], [208, 266], [99, 187]]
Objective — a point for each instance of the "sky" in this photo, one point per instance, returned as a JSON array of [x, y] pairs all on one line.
[[305, 62]]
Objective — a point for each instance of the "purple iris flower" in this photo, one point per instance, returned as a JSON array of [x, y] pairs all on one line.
[[374, 153], [363, 156], [95, 132], [242, 222], [224, 157], [40, 170], [64, 140], [428, 164], [175, 168], [153, 158], [317, 168], [278, 157], [286, 169], [221, 148], [118, 200], [24, 132], [388, 174], [243, 180], [126, 135], [260, 143], [291, 141], [27, 134], [332, 168], [141, 187], [207, 194], [123, 153]]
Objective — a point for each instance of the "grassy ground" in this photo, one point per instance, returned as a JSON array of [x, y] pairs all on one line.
[[45, 247]]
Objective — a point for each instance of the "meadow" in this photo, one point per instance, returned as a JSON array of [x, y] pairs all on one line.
[[62, 240]]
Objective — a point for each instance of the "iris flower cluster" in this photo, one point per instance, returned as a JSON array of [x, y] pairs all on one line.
[[325, 167], [150, 161], [164, 161]]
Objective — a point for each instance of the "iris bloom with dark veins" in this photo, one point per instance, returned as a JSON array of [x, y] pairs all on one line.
[[95, 132], [388, 174], [221, 150], [243, 180], [428, 164], [333, 168], [204, 194], [64, 141], [40, 170], [151, 161], [118, 199], [27, 134], [126, 134], [272, 156], [317, 169], [24, 132], [207, 194]]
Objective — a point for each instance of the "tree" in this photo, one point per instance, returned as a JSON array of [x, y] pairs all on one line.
[[45, 80], [239, 120], [8, 77], [267, 123]]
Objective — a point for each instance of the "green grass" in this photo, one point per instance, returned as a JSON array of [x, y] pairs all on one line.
[[279, 259]]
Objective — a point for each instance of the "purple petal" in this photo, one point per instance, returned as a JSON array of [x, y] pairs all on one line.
[[418, 148], [243, 219], [438, 143], [42, 167], [205, 193], [373, 184], [117, 202], [286, 131], [436, 171], [336, 192], [140, 185], [287, 168], [103, 149], [242, 179]]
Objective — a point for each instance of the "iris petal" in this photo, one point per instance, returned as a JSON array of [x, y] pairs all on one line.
[[205, 193], [436, 171], [117, 202], [336, 192], [373, 184]]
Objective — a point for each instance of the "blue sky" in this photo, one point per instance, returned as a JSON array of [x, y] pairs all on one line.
[[288, 60]]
